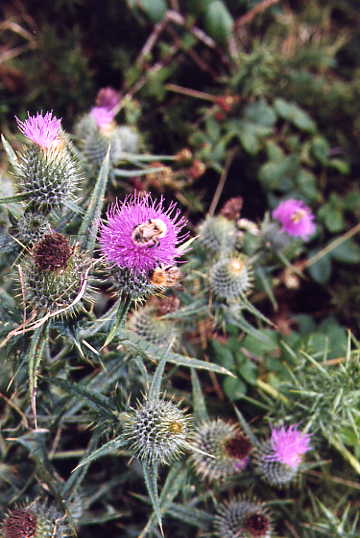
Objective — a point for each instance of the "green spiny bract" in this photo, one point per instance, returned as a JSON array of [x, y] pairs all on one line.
[[56, 283], [218, 234], [231, 277], [157, 431], [31, 227], [242, 518], [227, 448], [35, 520], [274, 473], [136, 286], [49, 176], [94, 141], [152, 327]]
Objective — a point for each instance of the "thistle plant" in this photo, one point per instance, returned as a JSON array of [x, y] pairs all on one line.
[[75, 357]]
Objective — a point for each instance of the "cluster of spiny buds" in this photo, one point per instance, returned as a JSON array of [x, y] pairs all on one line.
[[139, 241], [97, 130], [46, 170]]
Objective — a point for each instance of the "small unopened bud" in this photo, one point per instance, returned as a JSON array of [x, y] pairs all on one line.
[[231, 209], [226, 102], [184, 154], [197, 169]]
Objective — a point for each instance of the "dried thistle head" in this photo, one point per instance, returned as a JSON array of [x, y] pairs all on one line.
[[240, 517]]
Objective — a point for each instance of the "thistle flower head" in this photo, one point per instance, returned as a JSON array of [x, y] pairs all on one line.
[[218, 234], [52, 252], [278, 459], [102, 116], [288, 445], [153, 328], [140, 234], [35, 520], [231, 277], [242, 518], [157, 431], [20, 523], [107, 98], [296, 218], [227, 447], [42, 129]]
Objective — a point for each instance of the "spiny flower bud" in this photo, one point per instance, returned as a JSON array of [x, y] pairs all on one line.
[[231, 277], [217, 234], [36, 520], [135, 285], [232, 208], [46, 170], [147, 324], [157, 431], [56, 282], [31, 227], [227, 446], [278, 459], [52, 252], [242, 518]]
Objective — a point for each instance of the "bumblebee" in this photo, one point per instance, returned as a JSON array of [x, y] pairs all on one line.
[[149, 233], [165, 277]]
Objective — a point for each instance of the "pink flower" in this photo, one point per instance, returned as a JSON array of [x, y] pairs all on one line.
[[107, 98], [288, 446], [103, 116], [41, 129], [106, 102], [140, 234], [296, 218]]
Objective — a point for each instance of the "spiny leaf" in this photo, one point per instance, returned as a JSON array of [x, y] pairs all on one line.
[[155, 388], [34, 356], [90, 224], [150, 351], [151, 473], [199, 406], [95, 400], [104, 450]]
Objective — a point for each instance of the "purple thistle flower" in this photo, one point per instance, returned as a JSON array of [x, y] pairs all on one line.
[[103, 116], [107, 98], [296, 218], [140, 234], [288, 446], [104, 111], [41, 129]]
